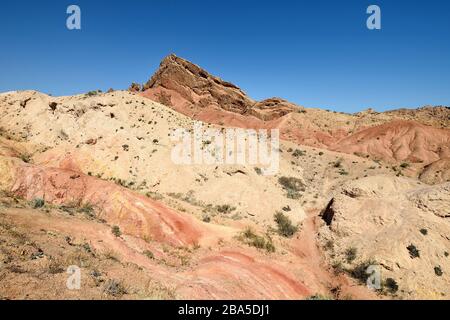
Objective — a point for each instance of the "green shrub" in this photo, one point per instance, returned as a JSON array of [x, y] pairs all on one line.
[[114, 288], [292, 186], [350, 254], [318, 297], [88, 210], [149, 254], [38, 203], [298, 153], [413, 251], [390, 285], [359, 272], [337, 163], [225, 208], [250, 238], [92, 93], [285, 226], [438, 271], [116, 231], [25, 157]]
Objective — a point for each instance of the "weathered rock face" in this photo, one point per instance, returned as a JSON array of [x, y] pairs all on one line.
[[399, 141], [381, 217], [271, 109], [196, 86], [436, 172], [190, 89]]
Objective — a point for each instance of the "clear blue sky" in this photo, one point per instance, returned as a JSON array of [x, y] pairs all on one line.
[[314, 53]]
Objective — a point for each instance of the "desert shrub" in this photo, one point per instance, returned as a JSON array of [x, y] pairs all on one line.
[[38, 203], [292, 186], [88, 210], [284, 224], [55, 267], [350, 254], [359, 272], [258, 171], [404, 165], [338, 268], [413, 251], [343, 172], [390, 285], [424, 231], [116, 231], [329, 245], [114, 288], [206, 218], [154, 195], [298, 153], [25, 157], [318, 297], [225, 208], [92, 93], [250, 238], [438, 271], [337, 163], [149, 254]]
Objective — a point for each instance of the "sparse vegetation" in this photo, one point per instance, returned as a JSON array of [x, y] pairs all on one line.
[[350, 254], [88, 210], [413, 251], [337, 163], [25, 157], [149, 254], [55, 266], [285, 226], [390, 285], [298, 153], [225, 208], [359, 272], [116, 231], [154, 195], [38, 203], [404, 165], [114, 288], [92, 93], [250, 238], [338, 268], [318, 297], [293, 186], [438, 271]]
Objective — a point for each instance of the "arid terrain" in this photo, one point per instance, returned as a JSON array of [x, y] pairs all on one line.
[[89, 181]]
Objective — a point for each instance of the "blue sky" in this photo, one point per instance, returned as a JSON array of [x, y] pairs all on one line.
[[314, 53]]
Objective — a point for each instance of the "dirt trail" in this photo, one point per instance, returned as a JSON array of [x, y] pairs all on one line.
[[306, 247]]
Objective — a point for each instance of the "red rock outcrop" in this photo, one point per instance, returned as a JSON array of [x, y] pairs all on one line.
[[135, 214], [436, 172], [399, 141], [397, 135], [190, 89]]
